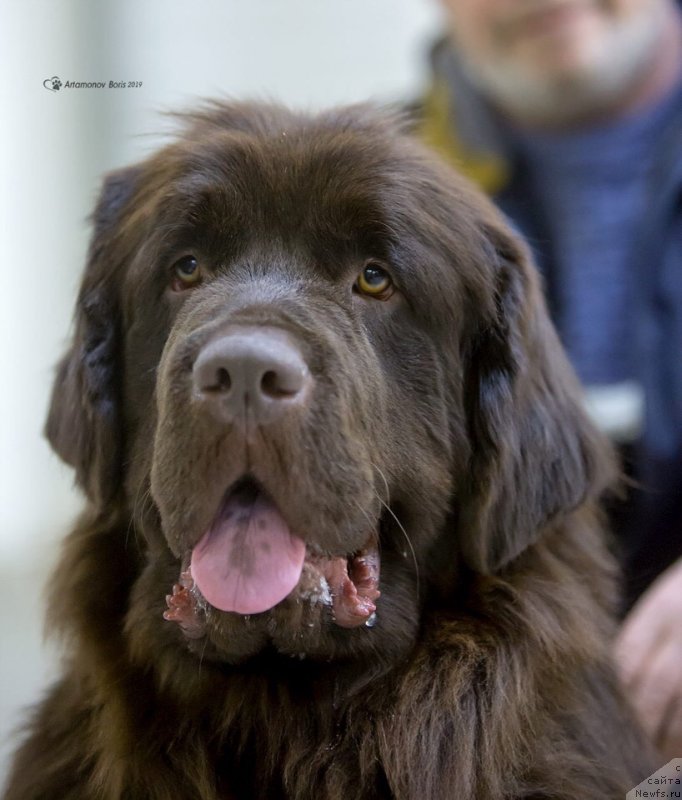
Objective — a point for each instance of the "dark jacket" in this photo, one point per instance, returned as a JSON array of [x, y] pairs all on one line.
[[457, 122]]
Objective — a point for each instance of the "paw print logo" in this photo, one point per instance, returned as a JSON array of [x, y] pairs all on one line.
[[53, 83]]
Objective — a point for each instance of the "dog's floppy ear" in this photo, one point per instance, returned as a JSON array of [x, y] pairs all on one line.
[[535, 454], [83, 424]]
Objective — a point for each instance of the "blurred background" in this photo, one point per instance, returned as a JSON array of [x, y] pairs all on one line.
[[55, 145]]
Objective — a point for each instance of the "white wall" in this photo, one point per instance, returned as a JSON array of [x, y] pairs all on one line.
[[54, 147]]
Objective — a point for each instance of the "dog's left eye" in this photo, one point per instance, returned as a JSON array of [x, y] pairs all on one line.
[[374, 281], [186, 273]]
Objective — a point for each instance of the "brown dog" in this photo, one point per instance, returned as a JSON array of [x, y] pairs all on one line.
[[341, 537]]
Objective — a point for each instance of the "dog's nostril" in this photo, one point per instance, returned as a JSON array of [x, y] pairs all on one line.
[[214, 381], [274, 387], [223, 381]]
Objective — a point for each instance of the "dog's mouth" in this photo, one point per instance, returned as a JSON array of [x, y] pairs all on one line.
[[249, 561]]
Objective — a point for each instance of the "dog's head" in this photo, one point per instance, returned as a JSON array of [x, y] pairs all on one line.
[[315, 366]]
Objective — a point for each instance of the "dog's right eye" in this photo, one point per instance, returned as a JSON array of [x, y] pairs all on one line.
[[374, 281], [186, 274]]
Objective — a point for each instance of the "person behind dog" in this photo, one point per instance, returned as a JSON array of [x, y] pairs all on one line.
[[569, 112]]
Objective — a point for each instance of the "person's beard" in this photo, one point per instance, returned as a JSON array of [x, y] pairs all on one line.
[[603, 84]]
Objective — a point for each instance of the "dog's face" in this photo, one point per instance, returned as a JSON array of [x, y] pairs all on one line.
[[315, 369]]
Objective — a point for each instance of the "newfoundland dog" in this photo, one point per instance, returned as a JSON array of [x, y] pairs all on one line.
[[342, 535]]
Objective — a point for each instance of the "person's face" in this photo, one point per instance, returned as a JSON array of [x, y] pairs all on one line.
[[545, 45]]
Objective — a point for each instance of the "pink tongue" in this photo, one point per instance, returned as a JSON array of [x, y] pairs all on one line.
[[248, 560]]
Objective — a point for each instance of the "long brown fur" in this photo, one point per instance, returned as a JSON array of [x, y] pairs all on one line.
[[487, 674]]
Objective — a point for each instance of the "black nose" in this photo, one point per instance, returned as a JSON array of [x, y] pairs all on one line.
[[252, 373]]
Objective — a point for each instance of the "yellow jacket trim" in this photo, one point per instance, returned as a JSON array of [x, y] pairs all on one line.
[[436, 130]]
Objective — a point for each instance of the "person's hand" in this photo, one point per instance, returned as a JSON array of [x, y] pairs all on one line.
[[649, 658]]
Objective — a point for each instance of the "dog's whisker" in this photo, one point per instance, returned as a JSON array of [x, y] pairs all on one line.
[[139, 503], [143, 502], [407, 539], [140, 497], [386, 505], [365, 513], [383, 477]]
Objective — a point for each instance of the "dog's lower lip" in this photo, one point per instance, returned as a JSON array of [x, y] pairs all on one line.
[[355, 586]]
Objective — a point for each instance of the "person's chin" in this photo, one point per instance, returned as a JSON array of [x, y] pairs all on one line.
[[534, 92], [556, 86], [566, 54]]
